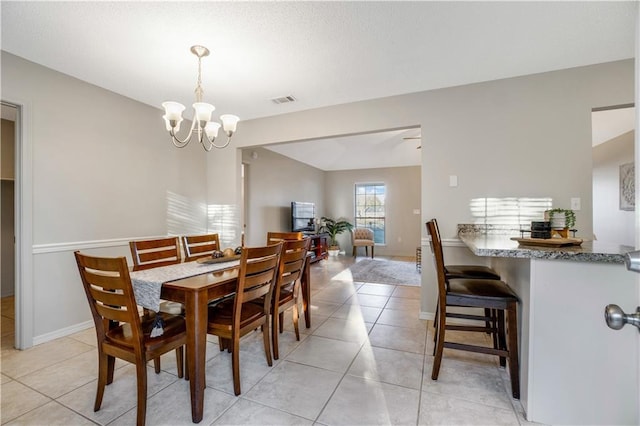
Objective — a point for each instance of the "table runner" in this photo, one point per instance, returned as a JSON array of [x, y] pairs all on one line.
[[147, 283]]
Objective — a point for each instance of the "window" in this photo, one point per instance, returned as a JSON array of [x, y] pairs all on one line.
[[369, 211]]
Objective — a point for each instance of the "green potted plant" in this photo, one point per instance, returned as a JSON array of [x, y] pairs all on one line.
[[561, 220], [334, 227]]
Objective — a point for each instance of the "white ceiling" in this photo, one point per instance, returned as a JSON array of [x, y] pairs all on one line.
[[611, 123], [322, 53]]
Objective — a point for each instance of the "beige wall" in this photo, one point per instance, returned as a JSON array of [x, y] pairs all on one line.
[[103, 172], [402, 198], [609, 222], [273, 182]]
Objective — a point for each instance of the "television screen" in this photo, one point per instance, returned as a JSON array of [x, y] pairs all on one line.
[[303, 216]]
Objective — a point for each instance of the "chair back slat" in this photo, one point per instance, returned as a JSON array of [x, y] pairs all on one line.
[[199, 246], [108, 296], [274, 237], [149, 254], [113, 314]]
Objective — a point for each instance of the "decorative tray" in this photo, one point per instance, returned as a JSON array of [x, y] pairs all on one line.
[[549, 242], [218, 259]]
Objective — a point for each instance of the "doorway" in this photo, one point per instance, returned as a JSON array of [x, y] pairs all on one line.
[[613, 152], [7, 225]]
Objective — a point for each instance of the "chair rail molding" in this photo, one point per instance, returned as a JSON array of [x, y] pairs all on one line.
[[84, 245]]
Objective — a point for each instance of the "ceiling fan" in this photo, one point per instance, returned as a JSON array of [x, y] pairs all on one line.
[[408, 138]]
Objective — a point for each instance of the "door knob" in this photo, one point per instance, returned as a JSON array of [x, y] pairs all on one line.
[[616, 318]]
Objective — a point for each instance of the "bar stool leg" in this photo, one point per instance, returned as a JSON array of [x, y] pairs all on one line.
[[501, 336], [439, 346], [512, 332]]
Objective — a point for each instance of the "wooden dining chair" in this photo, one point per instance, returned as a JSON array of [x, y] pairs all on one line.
[[491, 294], [232, 319], [120, 330], [153, 253], [199, 246], [274, 237], [286, 292]]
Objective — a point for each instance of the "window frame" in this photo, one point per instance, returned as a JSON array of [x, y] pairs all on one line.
[[365, 221]]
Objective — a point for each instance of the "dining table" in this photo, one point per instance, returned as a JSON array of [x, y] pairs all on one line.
[[194, 292]]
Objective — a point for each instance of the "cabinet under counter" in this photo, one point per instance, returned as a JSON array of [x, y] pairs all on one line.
[[574, 369]]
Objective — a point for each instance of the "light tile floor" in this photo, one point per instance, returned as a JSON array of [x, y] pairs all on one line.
[[365, 360]]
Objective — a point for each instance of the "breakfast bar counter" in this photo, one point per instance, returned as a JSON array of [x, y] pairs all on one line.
[[489, 245], [574, 369]]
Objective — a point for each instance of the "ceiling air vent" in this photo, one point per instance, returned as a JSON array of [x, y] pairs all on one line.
[[283, 99]]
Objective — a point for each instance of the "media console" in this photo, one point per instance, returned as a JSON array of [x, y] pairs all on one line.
[[319, 246]]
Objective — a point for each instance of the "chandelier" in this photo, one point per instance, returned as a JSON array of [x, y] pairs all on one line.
[[202, 126]]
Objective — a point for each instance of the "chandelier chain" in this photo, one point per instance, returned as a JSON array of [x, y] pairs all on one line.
[[199, 91]]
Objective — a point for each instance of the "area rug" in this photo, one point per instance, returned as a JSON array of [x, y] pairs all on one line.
[[384, 272]]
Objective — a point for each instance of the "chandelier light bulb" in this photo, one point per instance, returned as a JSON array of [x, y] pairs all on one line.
[[211, 129], [229, 123]]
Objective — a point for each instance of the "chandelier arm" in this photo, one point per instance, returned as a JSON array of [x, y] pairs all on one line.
[[206, 148], [181, 143], [223, 146], [212, 142]]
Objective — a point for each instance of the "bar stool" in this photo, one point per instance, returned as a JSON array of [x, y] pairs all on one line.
[[467, 271], [491, 294]]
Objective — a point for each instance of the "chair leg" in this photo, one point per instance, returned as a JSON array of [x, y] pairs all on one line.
[[501, 337], [141, 374], [186, 363], [265, 338], [281, 322], [489, 314], [439, 347], [296, 318], [102, 379], [355, 250], [276, 324], [180, 361], [512, 332], [156, 365], [111, 363], [235, 364], [372, 252]]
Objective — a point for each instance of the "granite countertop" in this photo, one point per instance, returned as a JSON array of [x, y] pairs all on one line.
[[501, 245]]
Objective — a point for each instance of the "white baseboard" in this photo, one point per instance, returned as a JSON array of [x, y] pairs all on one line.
[[430, 316], [62, 332]]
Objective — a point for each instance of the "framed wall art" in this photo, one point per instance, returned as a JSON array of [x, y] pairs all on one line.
[[627, 187]]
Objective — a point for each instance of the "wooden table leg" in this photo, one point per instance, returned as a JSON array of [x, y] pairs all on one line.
[[196, 319], [306, 292]]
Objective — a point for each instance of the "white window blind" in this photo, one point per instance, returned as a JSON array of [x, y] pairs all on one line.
[[516, 211]]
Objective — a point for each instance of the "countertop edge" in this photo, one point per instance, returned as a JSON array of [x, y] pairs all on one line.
[[473, 242]]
